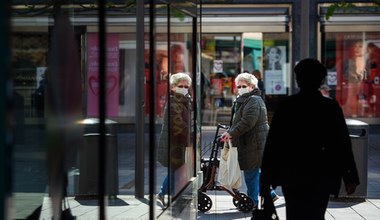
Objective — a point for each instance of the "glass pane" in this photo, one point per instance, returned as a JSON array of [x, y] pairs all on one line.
[[353, 66], [56, 88], [175, 149], [182, 113], [48, 89], [162, 80], [55, 64], [276, 69], [221, 62]]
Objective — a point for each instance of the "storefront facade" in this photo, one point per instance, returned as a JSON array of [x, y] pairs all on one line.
[[97, 75], [246, 37]]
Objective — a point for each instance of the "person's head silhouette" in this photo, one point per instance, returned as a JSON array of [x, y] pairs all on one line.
[[310, 74]]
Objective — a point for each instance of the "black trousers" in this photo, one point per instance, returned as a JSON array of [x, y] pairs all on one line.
[[305, 203]]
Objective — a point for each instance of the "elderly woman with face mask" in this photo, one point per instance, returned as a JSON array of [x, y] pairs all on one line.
[[248, 131], [176, 128]]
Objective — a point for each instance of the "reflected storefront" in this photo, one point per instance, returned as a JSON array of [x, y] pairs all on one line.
[[90, 83], [352, 56], [354, 72]]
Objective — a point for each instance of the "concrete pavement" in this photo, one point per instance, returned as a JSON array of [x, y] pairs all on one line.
[[126, 206]]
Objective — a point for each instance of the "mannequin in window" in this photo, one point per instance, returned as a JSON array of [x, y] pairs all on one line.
[[355, 73]]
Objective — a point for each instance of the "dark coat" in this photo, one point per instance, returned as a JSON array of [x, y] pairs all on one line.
[[308, 143], [180, 127], [249, 129]]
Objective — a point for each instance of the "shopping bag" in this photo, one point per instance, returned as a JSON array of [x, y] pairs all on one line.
[[223, 172], [229, 169]]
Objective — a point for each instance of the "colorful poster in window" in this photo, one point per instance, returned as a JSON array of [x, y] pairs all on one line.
[[358, 75], [112, 74]]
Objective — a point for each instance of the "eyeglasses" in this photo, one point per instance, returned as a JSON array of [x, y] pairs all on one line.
[[186, 87], [241, 87]]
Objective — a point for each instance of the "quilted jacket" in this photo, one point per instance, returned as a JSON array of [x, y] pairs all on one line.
[[249, 129]]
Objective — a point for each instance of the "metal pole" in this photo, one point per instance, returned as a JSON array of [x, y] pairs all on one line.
[[5, 129], [305, 28], [139, 122], [102, 110], [152, 112]]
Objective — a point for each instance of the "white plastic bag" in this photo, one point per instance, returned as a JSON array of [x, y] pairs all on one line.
[[229, 169]]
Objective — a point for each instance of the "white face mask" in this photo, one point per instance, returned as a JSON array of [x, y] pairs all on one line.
[[242, 91], [182, 91]]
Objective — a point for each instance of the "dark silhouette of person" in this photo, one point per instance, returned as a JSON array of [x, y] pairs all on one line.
[[308, 149]]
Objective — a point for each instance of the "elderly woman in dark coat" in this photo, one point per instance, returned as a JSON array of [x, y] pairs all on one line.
[[176, 127], [248, 131]]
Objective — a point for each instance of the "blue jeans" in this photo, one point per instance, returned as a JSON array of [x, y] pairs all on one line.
[[252, 180], [164, 187], [253, 184]]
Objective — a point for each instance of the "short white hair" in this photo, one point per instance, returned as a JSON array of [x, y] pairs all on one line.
[[249, 78], [175, 78]]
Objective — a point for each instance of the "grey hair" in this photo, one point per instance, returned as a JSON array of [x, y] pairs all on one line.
[[175, 78], [249, 78]]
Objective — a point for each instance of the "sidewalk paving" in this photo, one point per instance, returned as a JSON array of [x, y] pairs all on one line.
[[126, 206]]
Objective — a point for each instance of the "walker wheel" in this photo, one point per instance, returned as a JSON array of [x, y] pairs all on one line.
[[235, 201], [245, 204], [204, 202]]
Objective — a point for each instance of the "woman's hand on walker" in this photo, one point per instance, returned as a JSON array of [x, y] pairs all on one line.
[[226, 136]]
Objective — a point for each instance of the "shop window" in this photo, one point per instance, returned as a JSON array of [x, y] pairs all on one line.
[[225, 56], [29, 64], [221, 62], [353, 62]]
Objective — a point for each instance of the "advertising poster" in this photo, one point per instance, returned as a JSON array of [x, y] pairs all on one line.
[[275, 82], [275, 57], [331, 78], [218, 66], [112, 74], [274, 73], [360, 75]]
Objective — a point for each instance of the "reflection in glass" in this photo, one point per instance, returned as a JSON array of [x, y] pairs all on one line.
[[353, 60]]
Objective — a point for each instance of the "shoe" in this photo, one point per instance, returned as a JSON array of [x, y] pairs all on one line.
[[162, 199], [275, 198]]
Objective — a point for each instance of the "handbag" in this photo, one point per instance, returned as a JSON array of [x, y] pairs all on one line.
[[265, 209], [229, 169]]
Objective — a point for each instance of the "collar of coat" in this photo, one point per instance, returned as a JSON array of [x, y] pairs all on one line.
[[179, 97]]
